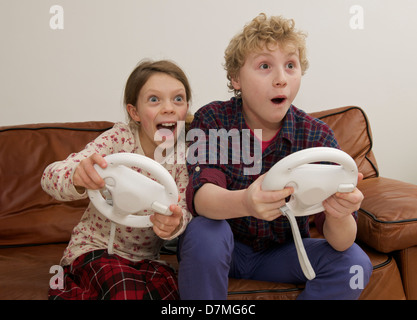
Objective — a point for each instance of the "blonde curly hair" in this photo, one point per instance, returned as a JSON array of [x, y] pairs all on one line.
[[262, 32]]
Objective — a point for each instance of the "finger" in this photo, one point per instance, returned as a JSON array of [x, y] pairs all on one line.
[[337, 206], [161, 229], [94, 178], [164, 222], [353, 198], [275, 197], [98, 159]]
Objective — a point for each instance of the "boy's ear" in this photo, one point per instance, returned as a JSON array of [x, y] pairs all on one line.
[[235, 83], [133, 112]]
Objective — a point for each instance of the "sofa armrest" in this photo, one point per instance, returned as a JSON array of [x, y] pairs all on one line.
[[388, 216]]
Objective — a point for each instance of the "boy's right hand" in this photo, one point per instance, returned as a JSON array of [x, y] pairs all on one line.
[[262, 204], [85, 176]]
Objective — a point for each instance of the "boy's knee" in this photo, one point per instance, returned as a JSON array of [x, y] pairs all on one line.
[[206, 239], [358, 261]]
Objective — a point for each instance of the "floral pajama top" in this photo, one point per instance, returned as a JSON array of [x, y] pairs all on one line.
[[93, 231]]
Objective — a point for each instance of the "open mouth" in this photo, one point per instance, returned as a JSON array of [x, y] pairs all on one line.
[[168, 125], [278, 100]]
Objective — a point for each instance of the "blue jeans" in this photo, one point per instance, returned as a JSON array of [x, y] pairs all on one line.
[[208, 256]]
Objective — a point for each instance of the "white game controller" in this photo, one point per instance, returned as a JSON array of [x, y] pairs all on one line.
[[313, 183], [132, 192]]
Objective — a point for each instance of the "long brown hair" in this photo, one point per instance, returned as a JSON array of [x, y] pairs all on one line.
[[144, 70]]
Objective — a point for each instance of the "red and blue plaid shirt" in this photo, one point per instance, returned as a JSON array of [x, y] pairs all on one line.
[[299, 131]]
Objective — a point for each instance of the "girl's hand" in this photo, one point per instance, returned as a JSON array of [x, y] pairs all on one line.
[[165, 226], [85, 176]]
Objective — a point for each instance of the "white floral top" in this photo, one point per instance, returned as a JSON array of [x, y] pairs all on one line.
[[93, 231]]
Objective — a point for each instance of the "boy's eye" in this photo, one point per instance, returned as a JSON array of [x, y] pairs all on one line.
[[264, 66], [153, 99], [290, 65]]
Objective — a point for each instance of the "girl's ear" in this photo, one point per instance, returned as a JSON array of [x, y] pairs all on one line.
[[133, 112]]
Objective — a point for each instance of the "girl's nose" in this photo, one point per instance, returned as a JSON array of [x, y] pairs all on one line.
[[168, 107]]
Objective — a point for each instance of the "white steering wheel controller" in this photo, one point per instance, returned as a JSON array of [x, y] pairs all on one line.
[[313, 183], [133, 192]]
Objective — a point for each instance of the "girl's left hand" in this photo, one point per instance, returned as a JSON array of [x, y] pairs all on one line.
[[164, 226]]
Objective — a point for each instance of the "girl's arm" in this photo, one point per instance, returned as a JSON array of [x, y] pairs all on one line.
[[58, 178]]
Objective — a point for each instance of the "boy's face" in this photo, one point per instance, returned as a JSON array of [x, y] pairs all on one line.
[[269, 81]]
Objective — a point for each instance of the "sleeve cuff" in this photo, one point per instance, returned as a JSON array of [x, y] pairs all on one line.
[[198, 178]]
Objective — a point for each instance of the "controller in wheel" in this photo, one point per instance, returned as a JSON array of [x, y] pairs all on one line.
[[132, 191], [313, 182]]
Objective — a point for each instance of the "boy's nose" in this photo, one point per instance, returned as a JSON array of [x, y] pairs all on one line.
[[280, 79]]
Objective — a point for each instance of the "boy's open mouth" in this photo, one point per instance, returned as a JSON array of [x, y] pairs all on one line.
[[278, 100]]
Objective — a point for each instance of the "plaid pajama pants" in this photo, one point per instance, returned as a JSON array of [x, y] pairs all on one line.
[[98, 275]]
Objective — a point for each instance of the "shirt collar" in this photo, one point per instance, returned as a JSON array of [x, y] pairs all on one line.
[[287, 130]]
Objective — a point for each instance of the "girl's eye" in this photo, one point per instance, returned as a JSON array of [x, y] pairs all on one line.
[[153, 99], [179, 99], [264, 66]]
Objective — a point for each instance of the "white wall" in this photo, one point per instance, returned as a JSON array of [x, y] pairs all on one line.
[[77, 73]]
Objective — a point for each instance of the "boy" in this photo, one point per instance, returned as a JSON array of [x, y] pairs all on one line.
[[239, 230]]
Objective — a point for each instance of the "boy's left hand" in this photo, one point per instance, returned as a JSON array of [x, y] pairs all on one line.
[[164, 226], [341, 205]]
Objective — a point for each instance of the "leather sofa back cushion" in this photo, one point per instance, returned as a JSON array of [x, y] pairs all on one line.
[[353, 133], [28, 215]]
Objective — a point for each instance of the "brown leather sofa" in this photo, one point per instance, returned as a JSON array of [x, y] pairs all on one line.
[[34, 228]]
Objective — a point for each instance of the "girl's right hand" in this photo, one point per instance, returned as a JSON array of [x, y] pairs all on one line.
[[85, 176]]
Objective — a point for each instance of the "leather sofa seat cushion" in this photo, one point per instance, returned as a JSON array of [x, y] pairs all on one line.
[[25, 276]]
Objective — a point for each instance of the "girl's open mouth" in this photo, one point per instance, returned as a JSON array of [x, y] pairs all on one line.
[[169, 125]]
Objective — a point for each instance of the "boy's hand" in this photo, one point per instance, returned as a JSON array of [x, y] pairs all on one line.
[[264, 204], [164, 226], [341, 205], [340, 227], [85, 176]]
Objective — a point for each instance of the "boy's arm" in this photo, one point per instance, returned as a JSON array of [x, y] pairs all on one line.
[[215, 202]]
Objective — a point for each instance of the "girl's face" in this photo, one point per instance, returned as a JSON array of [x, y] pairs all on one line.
[[161, 103]]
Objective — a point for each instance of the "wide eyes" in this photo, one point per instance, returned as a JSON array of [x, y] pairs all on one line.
[[265, 66], [153, 99], [177, 99]]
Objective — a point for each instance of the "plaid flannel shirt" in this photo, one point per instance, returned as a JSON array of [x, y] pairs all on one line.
[[299, 131]]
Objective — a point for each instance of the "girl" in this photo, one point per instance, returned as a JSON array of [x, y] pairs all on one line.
[[157, 95]]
